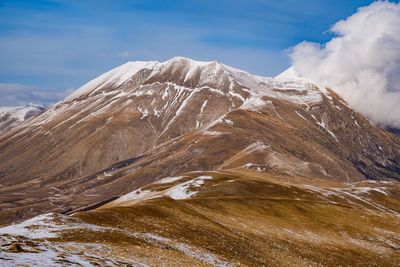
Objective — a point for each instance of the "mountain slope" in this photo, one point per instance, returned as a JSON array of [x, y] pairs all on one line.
[[229, 218], [146, 120], [200, 164]]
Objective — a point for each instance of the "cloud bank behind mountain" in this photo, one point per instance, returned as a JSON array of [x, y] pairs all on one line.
[[361, 62]]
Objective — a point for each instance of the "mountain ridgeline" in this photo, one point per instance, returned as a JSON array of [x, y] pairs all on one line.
[[155, 131]]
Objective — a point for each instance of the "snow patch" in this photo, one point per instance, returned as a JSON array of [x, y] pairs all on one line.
[[213, 133], [38, 227], [187, 189], [169, 179], [203, 106], [144, 112], [114, 77], [255, 146], [254, 103], [301, 116], [180, 191], [229, 122], [366, 190]]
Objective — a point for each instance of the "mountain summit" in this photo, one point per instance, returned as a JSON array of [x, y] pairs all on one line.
[[190, 139], [10, 117]]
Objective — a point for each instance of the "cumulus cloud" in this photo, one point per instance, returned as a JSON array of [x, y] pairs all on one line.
[[12, 94], [361, 62]]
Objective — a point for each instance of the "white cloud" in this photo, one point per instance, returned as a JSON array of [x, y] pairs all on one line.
[[361, 62], [127, 54], [12, 94]]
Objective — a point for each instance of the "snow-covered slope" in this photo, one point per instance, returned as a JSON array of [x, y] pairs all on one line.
[[146, 120], [13, 116], [287, 74], [114, 78], [199, 75]]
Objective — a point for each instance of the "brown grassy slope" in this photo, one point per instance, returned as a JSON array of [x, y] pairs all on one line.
[[290, 147], [239, 217], [256, 220]]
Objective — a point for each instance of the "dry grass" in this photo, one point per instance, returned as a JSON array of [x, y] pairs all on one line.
[[251, 221]]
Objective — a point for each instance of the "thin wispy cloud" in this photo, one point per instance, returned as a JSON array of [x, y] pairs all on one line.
[[17, 95]]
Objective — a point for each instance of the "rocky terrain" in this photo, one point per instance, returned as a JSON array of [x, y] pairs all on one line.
[[197, 163]]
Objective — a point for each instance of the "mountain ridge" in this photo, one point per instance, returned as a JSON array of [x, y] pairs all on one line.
[[199, 164], [178, 108]]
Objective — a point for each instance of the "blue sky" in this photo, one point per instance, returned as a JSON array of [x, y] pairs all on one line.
[[48, 47]]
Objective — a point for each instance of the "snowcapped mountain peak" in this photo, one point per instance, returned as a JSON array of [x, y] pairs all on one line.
[[114, 77], [138, 78], [123, 73], [171, 90], [183, 64], [189, 60], [13, 116], [21, 112]]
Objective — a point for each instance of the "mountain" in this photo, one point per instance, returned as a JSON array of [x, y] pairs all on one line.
[[13, 116], [395, 131], [203, 164]]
